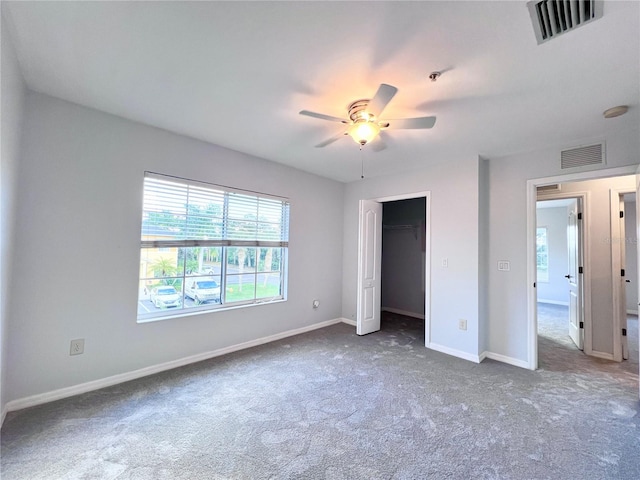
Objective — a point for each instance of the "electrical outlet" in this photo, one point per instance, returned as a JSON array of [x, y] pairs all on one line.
[[445, 263], [462, 324], [316, 303], [77, 347]]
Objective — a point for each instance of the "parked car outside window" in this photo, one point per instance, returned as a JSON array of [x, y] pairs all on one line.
[[203, 290], [165, 296]]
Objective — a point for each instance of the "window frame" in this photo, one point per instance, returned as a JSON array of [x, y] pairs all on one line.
[[545, 277], [189, 229]]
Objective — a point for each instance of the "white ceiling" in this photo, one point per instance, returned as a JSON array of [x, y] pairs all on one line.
[[237, 73]]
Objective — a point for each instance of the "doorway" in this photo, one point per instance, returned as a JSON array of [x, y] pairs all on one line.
[[601, 332], [406, 260], [559, 286], [403, 263], [625, 270]]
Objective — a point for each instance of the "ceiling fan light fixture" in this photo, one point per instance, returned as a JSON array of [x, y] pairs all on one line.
[[364, 132]]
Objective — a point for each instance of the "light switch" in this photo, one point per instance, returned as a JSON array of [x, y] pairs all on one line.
[[504, 265]]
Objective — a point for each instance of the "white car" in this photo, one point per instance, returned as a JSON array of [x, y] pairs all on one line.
[[165, 296], [202, 290]]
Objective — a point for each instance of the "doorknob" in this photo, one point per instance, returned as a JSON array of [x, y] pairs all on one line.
[[567, 276]]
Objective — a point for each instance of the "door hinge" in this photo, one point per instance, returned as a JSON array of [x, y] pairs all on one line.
[[580, 216], [622, 272], [534, 284], [579, 269], [621, 214], [581, 324], [624, 332]]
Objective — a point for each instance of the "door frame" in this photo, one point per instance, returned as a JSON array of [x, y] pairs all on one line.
[[617, 247], [638, 245], [427, 257], [584, 285], [531, 192]]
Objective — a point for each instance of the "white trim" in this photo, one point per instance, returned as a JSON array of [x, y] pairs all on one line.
[[532, 273], [349, 321], [638, 236], [554, 302], [403, 312], [455, 353], [584, 206], [605, 355], [617, 244], [504, 359], [632, 312], [61, 393], [4, 415]]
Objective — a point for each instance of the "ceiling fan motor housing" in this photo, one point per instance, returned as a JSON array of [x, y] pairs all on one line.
[[358, 110]]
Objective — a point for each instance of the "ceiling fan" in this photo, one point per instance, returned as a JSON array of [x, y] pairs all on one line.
[[363, 123]]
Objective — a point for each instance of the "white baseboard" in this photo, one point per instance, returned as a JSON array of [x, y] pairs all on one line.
[[47, 397], [505, 359], [3, 415], [403, 312], [605, 355], [349, 321], [632, 312], [453, 352], [554, 302]]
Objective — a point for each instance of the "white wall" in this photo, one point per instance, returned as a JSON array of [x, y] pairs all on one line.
[[78, 234], [508, 291], [454, 235], [556, 289], [11, 112], [631, 250]]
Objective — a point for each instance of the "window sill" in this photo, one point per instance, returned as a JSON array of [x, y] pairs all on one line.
[[191, 313]]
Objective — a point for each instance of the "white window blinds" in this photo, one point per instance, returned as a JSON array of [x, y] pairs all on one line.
[[184, 213]]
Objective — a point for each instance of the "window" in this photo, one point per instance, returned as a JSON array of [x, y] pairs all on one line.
[[542, 254], [206, 247]]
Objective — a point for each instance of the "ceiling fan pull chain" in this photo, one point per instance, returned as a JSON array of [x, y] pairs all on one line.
[[361, 163]]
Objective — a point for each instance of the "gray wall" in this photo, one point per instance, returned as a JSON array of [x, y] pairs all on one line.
[[508, 291], [403, 260], [555, 290], [453, 235], [12, 110], [77, 241]]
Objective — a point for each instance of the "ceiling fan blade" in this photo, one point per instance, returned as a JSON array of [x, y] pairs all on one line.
[[322, 116], [413, 123], [329, 141], [380, 100]]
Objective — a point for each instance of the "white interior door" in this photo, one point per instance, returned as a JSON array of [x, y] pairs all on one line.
[[576, 330], [623, 287], [369, 262]]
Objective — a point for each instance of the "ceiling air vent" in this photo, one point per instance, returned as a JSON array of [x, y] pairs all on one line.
[[582, 156], [554, 17]]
